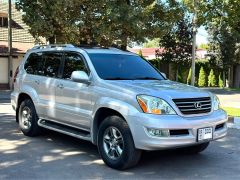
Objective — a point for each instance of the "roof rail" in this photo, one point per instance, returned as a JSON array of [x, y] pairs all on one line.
[[52, 46]]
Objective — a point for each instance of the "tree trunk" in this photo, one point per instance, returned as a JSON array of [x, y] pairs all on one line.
[[177, 73], [51, 40], [224, 79], [236, 83]]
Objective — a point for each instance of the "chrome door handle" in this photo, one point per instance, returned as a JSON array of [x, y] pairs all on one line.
[[60, 86], [37, 81]]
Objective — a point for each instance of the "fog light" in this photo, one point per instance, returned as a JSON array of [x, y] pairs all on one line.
[[158, 132]]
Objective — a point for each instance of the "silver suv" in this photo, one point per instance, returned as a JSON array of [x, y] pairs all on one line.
[[116, 100]]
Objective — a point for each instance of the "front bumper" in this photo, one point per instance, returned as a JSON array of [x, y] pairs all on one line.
[[140, 122]]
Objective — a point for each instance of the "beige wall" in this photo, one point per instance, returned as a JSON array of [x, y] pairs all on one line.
[[4, 68]]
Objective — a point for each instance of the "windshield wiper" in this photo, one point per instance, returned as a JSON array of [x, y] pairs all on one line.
[[118, 78], [147, 78]]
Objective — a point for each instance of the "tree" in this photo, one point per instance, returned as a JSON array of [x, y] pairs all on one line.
[[220, 81], [152, 43], [189, 76], [140, 53], [204, 46], [211, 79], [100, 22], [177, 44], [202, 78]]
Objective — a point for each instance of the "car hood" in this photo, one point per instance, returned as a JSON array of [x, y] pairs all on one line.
[[162, 88]]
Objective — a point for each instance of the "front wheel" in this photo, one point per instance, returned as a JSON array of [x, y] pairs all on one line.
[[115, 144]]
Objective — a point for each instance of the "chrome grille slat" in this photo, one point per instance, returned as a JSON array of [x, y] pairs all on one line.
[[187, 105], [194, 109]]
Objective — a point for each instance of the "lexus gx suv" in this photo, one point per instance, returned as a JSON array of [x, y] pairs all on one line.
[[114, 99]]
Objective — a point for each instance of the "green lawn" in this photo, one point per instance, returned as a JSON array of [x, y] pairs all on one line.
[[233, 89], [232, 111]]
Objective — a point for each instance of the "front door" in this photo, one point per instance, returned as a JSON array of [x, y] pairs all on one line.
[[73, 99]]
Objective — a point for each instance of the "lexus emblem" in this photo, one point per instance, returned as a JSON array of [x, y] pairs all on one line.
[[198, 105]]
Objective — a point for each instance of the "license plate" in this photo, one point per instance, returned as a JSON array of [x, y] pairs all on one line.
[[205, 134]]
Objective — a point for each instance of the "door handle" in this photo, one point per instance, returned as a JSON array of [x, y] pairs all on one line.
[[37, 82], [60, 86]]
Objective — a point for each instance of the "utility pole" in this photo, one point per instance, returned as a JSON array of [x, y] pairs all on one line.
[[194, 23], [10, 44]]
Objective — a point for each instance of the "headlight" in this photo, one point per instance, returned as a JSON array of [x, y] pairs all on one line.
[[153, 105], [216, 103]]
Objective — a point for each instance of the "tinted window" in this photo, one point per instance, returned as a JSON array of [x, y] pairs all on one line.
[[52, 63], [119, 66], [73, 62], [34, 64]]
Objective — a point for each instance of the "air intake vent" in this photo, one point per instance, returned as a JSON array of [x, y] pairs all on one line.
[[190, 106]]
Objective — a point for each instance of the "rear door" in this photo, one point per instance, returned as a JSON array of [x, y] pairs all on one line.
[[73, 100], [47, 84]]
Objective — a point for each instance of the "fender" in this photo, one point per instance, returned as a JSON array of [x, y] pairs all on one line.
[[123, 108]]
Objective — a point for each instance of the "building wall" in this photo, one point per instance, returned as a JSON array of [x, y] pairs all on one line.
[[4, 69], [18, 35]]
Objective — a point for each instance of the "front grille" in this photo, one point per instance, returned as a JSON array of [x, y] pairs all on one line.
[[190, 106]]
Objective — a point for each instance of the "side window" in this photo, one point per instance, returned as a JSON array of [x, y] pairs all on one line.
[[73, 62], [52, 63], [34, 64]]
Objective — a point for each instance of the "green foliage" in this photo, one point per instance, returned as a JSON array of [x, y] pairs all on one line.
[[152, 43], [220, 81], [211, 79], [202, 78], [204, 46], [189, 76], [177, 43], [140, 53], [100, 22]]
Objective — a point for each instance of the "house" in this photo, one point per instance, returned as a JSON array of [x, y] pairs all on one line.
[[150, 53], [22, 40]]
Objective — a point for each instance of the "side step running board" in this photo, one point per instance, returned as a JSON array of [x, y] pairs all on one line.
[[68, 130]]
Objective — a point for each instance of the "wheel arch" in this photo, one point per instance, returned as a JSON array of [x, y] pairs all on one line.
[[100, 115]]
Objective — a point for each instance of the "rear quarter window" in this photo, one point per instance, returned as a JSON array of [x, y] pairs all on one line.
[[34, 64]]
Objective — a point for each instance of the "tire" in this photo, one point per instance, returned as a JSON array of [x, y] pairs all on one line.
[[28, 119], [125, 154], [195, 149]]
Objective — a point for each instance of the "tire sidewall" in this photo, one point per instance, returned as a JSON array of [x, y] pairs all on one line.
[[28, 103], [121, 125]]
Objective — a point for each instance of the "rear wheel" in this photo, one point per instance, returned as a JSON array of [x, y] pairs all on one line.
[[115, 144], [28, 118], [195, 149]]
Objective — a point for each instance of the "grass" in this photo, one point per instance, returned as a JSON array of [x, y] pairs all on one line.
[[233, 89], [232, 111]]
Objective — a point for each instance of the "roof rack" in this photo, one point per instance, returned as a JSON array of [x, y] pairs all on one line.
[[53, 46]]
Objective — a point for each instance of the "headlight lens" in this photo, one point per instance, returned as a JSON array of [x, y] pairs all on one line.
[[216, 103], [153, 105]]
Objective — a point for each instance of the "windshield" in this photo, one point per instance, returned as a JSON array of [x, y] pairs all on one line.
[[123, 67]]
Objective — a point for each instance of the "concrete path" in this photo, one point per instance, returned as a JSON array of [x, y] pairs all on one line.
[[227, 98]]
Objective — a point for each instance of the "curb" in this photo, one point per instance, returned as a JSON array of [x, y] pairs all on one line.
[[230, 119]]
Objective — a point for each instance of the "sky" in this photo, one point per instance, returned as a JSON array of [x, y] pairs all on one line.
[[202, 35]]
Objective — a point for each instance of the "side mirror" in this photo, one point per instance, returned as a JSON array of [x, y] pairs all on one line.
[[164, 75], [80, 76]]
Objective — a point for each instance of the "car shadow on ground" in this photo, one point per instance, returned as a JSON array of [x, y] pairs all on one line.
[[54, 155]]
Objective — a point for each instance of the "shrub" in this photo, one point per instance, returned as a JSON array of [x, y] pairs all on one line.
[[220, 81], [212, 79], [189, 76], [202, 78], [140, 53]]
